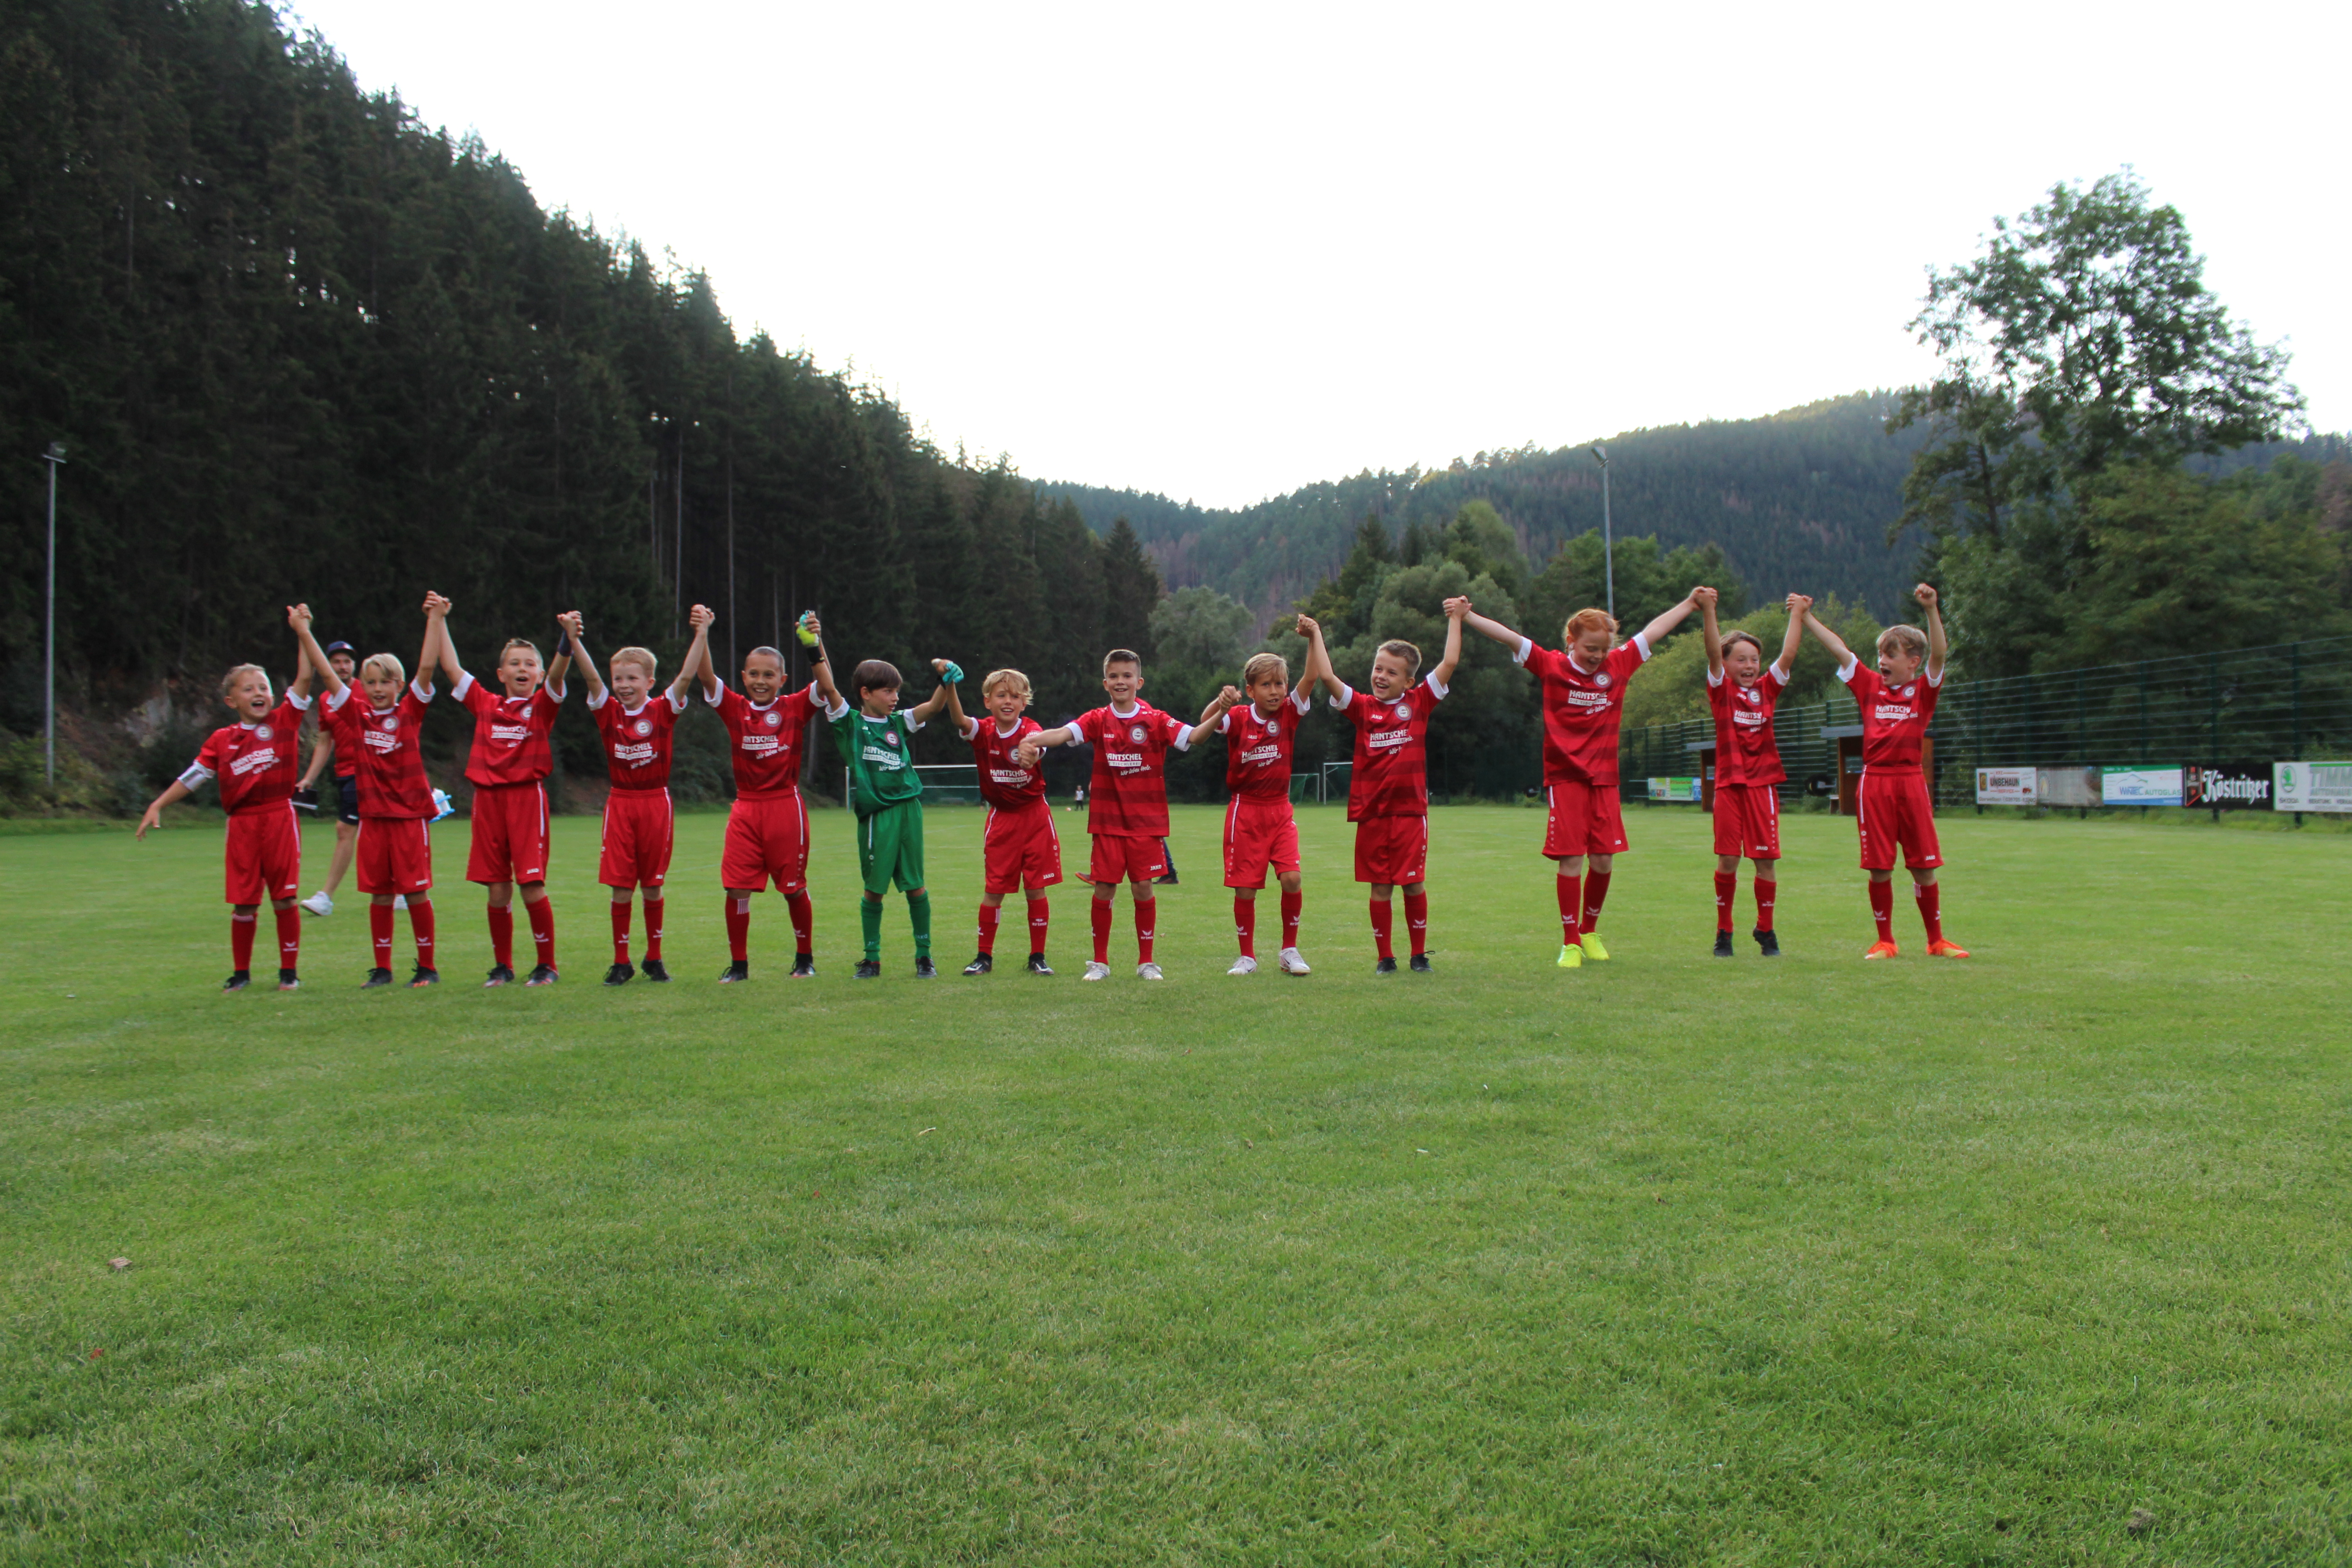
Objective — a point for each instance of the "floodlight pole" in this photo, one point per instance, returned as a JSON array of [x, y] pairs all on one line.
[[1608, 548], [55, 456]]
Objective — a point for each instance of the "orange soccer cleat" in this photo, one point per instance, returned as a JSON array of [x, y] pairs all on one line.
[[1939, 948], [1884, 950]]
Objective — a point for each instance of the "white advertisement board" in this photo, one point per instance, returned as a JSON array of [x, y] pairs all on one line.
[[2139, 786], [2068, 786], [2311, 786], [2007, 787]]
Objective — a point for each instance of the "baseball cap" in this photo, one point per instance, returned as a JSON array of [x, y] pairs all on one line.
[[335, 647]]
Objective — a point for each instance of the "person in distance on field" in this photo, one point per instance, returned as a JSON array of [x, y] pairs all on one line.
[[255, 760], [1897, 700], [634, 728], [1741, 691], [767, 827], [878, 742], [1388, 787], [508, 767], [1260, 830], [381, 734], [1583, 706], [324, 752], [1019, 848]]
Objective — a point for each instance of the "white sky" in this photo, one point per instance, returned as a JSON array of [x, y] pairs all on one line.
[[1221, 250]]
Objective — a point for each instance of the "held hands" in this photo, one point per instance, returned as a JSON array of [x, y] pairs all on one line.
[[1231, 697], [299, 616], [700, 616], [571, 624], [1704, 597], [1926, 595], [1026, 753], [1457, 607], [1801, 604], [1307, 628], [434, 605]]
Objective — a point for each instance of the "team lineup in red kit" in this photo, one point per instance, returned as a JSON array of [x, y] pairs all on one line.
[[371, 711]]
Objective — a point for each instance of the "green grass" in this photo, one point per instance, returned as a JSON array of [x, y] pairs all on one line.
[[1673, 1260]]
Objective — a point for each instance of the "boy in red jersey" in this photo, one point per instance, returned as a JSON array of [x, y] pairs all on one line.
[[767, 827], [1020, 848], [1388, 787], [257, 761], [634, 729], [379, 734], [508, 768], [1127, 801], [1583, 706], [343, 659], [1897, 705], [1260, 830], [1741, 691]]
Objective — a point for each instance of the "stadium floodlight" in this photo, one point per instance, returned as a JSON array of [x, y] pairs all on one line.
[[55, 457], [1608, 548]]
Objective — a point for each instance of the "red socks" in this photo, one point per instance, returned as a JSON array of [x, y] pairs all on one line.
[[1596, 893], [989, 915], [803, 916], [379, 928], [1383, 912], [1246, 924], [1571, 908], [620, 932], [1145, 910], [1040, 912], [1416, 918], [1766, 890], [1881, 908], [420, 926], [653, 929], [738, 929], [240, 940], [542, 930], [502, 936], [289, 935], [1931, 910], [1102, 916], [1291, 904], [1727, 887]]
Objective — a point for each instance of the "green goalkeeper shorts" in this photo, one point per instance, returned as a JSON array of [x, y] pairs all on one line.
[[890, 848]]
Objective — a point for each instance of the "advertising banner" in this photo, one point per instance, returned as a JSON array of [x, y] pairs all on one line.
[[2007, 787], [2139, 786], [1675, 789], [2246, 787], [2067, 786], [2311, 786]]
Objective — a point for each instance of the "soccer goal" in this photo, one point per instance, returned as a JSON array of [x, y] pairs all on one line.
[[944, 784]]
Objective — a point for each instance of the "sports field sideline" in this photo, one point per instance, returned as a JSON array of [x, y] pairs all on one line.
[[1672, 1259]]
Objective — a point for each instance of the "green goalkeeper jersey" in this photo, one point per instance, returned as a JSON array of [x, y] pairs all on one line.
[[881, 759]]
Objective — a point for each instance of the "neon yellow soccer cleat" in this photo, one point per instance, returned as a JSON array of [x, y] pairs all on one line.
[[1593, 948], [1571, 956]]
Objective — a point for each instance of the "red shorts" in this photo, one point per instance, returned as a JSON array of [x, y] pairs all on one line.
[[265, 855], [1747, 821], [1127, 858], [1259, 832], [767, 841], [1392, 850], [394, 854], [1020, 848], [1584, 819], [1895, 810], [639, 824], [510, 833]]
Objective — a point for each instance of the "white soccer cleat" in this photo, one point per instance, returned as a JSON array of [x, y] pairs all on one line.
[[1149, 972], [1292, 963], [319, 903], [1244, 966], [1096, 971]]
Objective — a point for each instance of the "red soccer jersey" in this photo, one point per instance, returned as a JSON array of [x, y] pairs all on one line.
[[1390, 777], [382, 742], [1745, 751], [509, 733], [1005, 783], [636, 745], [1257, 748], [766, 740], [1581, 711], [1129, 792], [258, 764], [1894, 718]]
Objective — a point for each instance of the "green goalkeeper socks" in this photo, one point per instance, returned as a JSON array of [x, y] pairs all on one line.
[[869, 920], [919, 911]]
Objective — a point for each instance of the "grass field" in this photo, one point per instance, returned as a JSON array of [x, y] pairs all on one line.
[[1671, 1260]]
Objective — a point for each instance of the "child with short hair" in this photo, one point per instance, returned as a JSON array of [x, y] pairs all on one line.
[[256, 761], [508, 767], [1127, 807], [1583, 696], [1741, 692], [634, 730], [1897, 704], [1019, 847], [767, 827], [878, 742], [342, 659], [1260, 830], [1387, 787], [381, 734]]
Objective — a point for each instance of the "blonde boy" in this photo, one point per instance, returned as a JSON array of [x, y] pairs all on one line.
[[1741, 692], [1020, 848], [1260, 831]]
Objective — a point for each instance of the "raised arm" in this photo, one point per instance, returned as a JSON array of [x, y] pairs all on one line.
[[706, 672], [1714, 635], [1487, 627], [435, 606], [1656, 631], [561, 666], [698, 653], [1936, 645], [450, 668], [1319, 659], [299, 617], [570, 622], [1452, 656], [1800, 605], [956, 715], [820, 666], [1222, 703], [949, 673]]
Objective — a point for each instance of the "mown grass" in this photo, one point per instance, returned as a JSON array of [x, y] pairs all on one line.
[[1670, 1260]]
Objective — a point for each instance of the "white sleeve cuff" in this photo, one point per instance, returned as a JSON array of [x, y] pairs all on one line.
[[1437, 687], [557, 693], [421, 691], [596, 699], [1641, 641], [196, 775], [913, 723], [1714, 677], [335, 700], [1845, 670], [1182, 741], [677, 699], [971, 727], [302, 703], [815, 695], [1779, 672], [1300, 701], [1936, 677], [1225, 722], [837, 710], [1527, 646], [465, 684], [1344, 697]]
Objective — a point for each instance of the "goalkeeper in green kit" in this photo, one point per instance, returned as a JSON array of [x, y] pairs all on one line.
[[877, 741]]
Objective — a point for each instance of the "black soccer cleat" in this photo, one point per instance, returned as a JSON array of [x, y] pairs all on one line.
[[1385, 966], [654, 970], [238, 981], [376, 977], [925, 969], [1038, 964], [739, 971], [1768, 942], [804, 966], [289, 981], [869, 968], [423, 976], [542, 974], [499, 976], [619, 975], [1723, 944], [1420, 964], [981, 963]]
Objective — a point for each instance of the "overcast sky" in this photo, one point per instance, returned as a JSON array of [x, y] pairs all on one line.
[[1221, 251]]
